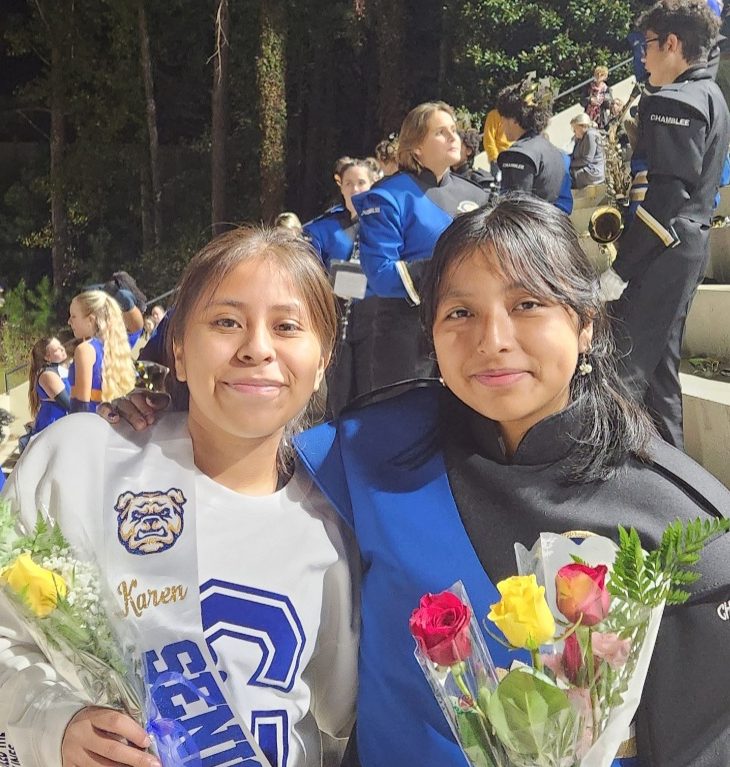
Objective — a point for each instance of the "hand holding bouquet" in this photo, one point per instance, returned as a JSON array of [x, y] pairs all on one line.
[[589, 628], [59, 599]]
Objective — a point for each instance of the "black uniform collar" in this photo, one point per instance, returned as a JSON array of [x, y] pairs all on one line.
[[548, 441], [695, 72], [428, 179]]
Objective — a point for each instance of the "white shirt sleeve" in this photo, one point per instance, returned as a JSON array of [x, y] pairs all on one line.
[[35, 704]]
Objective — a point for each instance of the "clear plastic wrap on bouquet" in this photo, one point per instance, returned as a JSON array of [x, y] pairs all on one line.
[[588, 612]]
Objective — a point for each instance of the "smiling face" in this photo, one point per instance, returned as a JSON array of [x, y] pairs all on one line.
[[441, 147], [55, 351], [250, 355], [508, 354]]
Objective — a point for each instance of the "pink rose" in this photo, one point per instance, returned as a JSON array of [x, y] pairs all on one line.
[[611, 648], [440, 626], [581, 593]]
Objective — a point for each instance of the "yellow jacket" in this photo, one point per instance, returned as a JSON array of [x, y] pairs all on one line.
[[494, 139]]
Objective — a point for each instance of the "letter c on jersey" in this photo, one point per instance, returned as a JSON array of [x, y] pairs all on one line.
[[269, 621]]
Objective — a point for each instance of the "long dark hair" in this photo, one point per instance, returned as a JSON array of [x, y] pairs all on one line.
[[535, 245]]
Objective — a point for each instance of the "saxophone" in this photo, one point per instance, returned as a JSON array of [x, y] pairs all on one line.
[[607, 222]]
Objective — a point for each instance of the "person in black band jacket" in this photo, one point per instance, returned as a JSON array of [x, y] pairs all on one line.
[[684, 136]]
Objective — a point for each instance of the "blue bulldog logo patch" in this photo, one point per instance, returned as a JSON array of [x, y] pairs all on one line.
[[150, 522]]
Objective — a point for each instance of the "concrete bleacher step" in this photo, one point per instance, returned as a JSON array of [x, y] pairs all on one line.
[[706, 401], [718, 268]]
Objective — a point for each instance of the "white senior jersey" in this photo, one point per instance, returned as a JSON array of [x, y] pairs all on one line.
[[275, 593]]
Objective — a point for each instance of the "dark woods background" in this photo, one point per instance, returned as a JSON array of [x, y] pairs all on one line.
[[132, 130]]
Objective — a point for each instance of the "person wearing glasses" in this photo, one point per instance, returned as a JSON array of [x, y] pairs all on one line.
[[684, 136]]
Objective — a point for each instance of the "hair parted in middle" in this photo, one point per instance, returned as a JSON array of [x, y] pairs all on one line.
[[414, 130], [275, 248], [530, 242]]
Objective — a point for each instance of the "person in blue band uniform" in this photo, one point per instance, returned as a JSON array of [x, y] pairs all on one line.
[[684, 130], [49, 391], [102, 366], [334, 236], [401, 218], [531, 432], [532, 164]]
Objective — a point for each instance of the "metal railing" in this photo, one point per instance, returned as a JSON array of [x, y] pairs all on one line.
[[590, 79]]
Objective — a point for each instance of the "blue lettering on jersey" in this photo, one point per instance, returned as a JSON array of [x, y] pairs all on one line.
[[206, 716], [269, 621], [270, 728]]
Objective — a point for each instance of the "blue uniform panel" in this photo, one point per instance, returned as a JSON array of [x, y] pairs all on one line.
[[95, 374], [401, 217], [134, 337], [412, 541], [565, 198], [332, 235], [49, 410]]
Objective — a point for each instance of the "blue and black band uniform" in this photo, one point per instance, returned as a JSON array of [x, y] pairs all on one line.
[[334, 236], [401, 217]]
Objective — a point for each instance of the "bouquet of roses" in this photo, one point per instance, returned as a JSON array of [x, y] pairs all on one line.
[[587, 613]]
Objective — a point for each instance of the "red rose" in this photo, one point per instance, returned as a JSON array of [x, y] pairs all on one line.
[[440, 625], [581, 591], [572, 658]]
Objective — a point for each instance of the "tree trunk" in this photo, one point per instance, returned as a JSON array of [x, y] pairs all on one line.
[[389, 22], [270, 78], [59, 222], [145, 205], [219, 119], [151, 110]]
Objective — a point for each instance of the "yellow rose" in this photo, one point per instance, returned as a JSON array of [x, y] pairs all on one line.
[[38, 587], [522, 614]]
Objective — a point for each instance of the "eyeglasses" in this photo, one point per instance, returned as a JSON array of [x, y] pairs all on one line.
[[644, 44]]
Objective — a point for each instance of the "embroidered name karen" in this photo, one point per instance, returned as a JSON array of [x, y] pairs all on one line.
[[137, 601], [683, 122]]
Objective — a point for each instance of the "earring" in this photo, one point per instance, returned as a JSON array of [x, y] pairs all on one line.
[[585, 368], [441, 381]]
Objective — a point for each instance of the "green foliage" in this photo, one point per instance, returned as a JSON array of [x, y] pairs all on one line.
[[26, 316], [498, 41], [663, 574]]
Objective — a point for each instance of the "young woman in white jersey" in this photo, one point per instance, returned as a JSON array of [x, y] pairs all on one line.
[[210, 499]]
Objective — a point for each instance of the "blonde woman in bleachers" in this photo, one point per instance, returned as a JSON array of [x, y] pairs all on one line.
[[102, 367]]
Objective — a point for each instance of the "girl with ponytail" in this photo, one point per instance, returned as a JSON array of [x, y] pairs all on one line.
[[48, 390], [102, 368]]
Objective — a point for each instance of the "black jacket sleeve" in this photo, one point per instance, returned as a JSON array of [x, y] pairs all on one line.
[[674, 138], [518, 171]]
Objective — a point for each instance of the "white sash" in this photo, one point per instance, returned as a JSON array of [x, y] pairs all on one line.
[[151, 567]]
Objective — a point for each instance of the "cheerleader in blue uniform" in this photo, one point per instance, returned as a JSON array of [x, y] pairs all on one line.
[[401, 218], [102, 367], [334, 235], [532, 164], [531, 432], [49, 392]]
